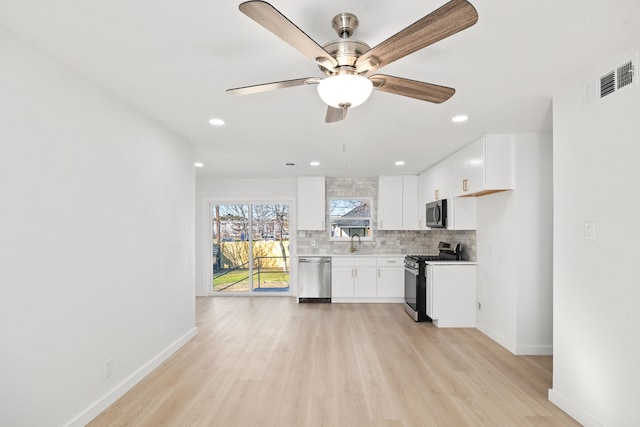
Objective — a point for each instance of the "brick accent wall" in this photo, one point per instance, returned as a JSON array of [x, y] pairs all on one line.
[[384, 242]]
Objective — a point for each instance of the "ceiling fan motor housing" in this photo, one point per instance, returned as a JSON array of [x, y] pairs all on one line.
[[345, 24], [346, 52]]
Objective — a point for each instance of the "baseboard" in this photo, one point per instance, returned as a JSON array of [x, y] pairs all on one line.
[[497, 338], [573, 410], [103, 403], [534, 350], [366, 300], [519, 350]]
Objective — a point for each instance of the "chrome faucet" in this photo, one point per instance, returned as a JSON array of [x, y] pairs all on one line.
[[352, 248]]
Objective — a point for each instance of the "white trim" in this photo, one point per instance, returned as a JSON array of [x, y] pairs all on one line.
[[534, 350], [573, 410], [497, 338], [108, 399], [518, 350], [366, 300]]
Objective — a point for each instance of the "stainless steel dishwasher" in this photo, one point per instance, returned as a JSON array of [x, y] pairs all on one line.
[[314, 279]]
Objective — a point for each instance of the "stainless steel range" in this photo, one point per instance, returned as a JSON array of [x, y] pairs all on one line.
[[415, 282]]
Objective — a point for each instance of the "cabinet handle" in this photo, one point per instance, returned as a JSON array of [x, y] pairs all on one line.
[[465, 185], [355, 271], [378, 272]]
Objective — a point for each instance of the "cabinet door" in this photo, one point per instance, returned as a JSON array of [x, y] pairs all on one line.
[[442, 180], [461, 213], [390, 203], [342, 282], [410, 202], [459, 172], [390, 282], [423, 186], [365, 282], [475, 154], [311, 204]]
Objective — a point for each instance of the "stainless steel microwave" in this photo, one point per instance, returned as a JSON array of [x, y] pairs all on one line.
[[437, 214]]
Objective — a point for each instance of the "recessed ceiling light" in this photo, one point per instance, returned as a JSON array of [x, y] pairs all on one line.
[[400, 163], [198, 165], [460, 118], [315, 163], [216, 122]]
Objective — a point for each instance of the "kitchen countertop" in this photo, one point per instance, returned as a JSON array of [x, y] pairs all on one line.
[[361, 255], [356, 254]]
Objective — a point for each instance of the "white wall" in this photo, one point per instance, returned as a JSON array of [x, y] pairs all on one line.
[[514, 253], [596, 369], [232, 190], [96, 247]]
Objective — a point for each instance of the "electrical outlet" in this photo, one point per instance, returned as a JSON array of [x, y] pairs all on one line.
[[108, 368], [313, 243], [590, 230]]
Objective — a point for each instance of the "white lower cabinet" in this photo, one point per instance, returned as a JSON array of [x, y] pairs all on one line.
[[367, 279], [391, 278], [341, 281], [451, 295]]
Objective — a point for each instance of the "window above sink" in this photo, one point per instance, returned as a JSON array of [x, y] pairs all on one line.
[[350, 217]]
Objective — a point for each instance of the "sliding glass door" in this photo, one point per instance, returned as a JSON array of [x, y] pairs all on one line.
[[250, 248]]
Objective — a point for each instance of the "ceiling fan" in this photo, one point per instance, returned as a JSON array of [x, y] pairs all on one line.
[[348, 64]]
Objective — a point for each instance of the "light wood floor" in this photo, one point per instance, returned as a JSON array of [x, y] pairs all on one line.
[[272, 362]]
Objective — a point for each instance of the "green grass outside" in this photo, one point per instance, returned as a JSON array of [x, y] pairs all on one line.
[[268, 279]]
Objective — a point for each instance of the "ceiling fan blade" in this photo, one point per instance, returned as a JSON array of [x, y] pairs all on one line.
[[271, 19], [449, 19], [412, 88], [335, 114], [249, 90]]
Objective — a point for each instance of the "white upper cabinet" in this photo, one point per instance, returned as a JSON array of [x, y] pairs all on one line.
[[423, 185], [397, 202], [461, 213], [483, 167], [311, 203], [390, 203], [438, 181], [410, 202]]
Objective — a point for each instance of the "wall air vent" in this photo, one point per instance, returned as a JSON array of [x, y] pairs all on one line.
[[625, 75], [611, 81], [607, 84]]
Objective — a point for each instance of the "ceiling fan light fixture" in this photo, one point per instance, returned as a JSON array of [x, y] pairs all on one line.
[[346, 89]]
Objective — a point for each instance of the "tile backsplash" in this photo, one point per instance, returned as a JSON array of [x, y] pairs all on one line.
[[384, 242]]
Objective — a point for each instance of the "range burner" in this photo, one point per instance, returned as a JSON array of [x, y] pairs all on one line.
[[430, 257], [425, 257]]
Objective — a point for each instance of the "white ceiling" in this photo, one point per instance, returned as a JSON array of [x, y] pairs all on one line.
[[174, 60]]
